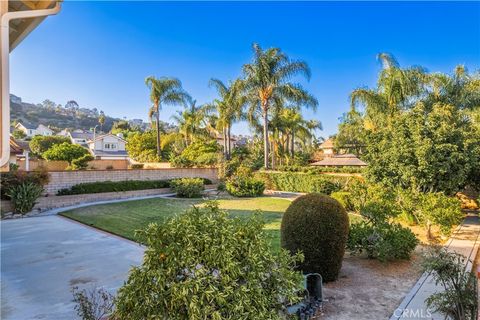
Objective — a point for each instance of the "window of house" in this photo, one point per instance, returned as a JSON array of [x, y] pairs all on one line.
[[110, 146]]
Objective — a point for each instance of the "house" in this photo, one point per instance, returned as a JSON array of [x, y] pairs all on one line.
[[19, 150], [63, 133], [341, 160], [31, 130], [81, 137], [108, 147], [219, 139], [328, 147]]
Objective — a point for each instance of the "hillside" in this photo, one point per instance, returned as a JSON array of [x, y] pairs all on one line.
[[56, 116]]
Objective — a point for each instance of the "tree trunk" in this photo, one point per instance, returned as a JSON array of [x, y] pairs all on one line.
[[225, 143], [292, 146], [159, 151], [229, 138], [265, 135]]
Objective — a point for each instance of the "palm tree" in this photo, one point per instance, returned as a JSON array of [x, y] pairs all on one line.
[[229, 107], [164, 91], [396, 90], [101, 121], [267, 78], [190, 120]]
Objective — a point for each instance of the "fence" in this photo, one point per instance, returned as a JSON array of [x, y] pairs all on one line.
[[66, 179], [62, 165]]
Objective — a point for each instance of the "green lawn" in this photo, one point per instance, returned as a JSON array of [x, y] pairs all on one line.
[[124, 218]]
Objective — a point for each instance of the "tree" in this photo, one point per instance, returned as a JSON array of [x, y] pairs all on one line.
[[65, 152], [267, 79], [229, 107], [396, 89], [19, 134], [40, 144], [101, 121], [351, 135], [190, 121], [164, 91], [71, 104], [142, 147]]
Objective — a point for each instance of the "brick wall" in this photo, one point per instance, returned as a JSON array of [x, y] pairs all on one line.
[[66, 179], [62, 165]]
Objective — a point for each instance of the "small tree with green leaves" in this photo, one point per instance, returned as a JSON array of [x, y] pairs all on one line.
[[204, 265], [458, 301], [39, 144], [65, 152]]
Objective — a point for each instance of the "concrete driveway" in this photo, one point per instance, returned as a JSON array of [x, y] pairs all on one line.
[[43, 257]]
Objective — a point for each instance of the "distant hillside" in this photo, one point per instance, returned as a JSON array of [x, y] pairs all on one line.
[[56, 116]]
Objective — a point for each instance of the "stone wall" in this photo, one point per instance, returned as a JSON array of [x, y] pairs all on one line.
[[62, 165], [66, 179]]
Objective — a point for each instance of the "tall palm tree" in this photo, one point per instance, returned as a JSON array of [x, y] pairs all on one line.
[[164, 91], [267, 78], [190, 120], [229, 107], [396, 90]]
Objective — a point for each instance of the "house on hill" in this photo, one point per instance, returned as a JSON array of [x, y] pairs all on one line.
[[81, 137], [340, 160], [31, 130], [328, 147]]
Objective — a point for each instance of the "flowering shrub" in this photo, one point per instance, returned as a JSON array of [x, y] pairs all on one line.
[[204, 265]]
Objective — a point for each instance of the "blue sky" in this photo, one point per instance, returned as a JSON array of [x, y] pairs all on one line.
[[99, 53]]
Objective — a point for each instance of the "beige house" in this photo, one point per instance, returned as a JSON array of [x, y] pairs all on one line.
[[328, 147], [340, 160], [108, 147]]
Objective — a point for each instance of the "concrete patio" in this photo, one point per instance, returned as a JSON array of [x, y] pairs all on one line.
[[43, 257]]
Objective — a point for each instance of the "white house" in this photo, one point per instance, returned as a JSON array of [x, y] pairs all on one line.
[[108, 147], [81, 137], [31, 130]]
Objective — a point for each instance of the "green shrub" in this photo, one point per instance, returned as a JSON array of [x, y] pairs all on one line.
[[81, 163], [316, 225], [204, 265], [23, 196], [114, 186], [65, 152], [187, 187], [13, 178], [240, 186], [384, 242], [316, 170], [39, 144], [301, 182], [198, 154], [136, 166], [458, 300], [345, 199]]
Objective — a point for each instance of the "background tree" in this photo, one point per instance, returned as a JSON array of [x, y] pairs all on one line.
[[101, 121], [65, 152], [351, 136], [164, 91], [40, 144], [191, 121], [267, 78]]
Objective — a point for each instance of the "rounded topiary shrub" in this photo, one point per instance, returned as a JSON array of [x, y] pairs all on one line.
[[316, 225]]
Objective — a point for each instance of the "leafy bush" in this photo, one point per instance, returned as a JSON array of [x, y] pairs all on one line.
[[315, 169], [39, 144], [136, 166], [13, 178], [316, 225], [187, 187], [204, 265], [114, 186], [458, 301], [383, 242], [65, 152], [430, 209], [198, 154], [300, 182], [81, 163], [142, 146], [345, 199], [245, 187], [23, 196]]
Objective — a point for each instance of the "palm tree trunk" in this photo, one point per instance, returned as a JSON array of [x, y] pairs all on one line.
[[229, 138], [159, 151], [265, 135], [293, 144], [225, 143]]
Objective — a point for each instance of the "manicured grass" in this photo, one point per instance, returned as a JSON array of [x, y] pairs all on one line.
[[124, 218]]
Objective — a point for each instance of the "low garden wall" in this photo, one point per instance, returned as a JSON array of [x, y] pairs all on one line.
[[35, 164], [66, 179]]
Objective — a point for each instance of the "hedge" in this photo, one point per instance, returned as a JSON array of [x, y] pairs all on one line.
[[301, 182], [117, 186]]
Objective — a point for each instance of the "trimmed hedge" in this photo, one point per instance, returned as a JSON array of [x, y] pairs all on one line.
[[316, 225], [301, 182], [245, 187], [118, 186], [315, 169]]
